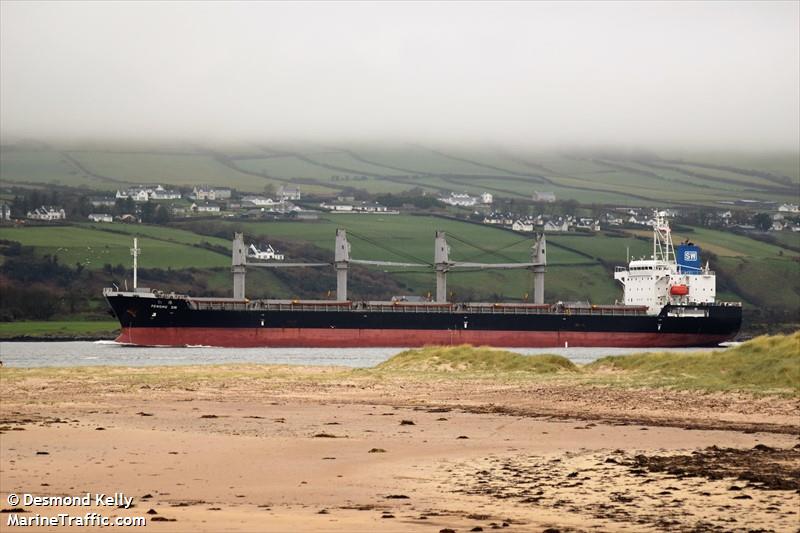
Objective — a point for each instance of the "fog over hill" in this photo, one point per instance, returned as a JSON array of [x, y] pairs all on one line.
[[712, 75]]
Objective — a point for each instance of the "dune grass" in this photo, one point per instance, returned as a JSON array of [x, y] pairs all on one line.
[[765, 364], [466, 359]]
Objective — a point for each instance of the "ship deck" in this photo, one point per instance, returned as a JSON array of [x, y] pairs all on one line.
[[210, 304]]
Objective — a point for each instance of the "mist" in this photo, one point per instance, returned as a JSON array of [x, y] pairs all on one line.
[[678, 74]]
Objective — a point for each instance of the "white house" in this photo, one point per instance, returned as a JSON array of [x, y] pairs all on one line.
[[789, 208], [103, 202], [589, 224], [205, 193], [205, 208], [522, 225], [143, 194], [160, 193], [268, 254], [48, 212], [356, 207], [487, 198], [289, 193], [556, 225], [101, 217], [260, 201], [338, 207], [137, 195], [462, 200]]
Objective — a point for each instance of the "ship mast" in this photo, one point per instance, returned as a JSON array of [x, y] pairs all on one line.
[[662, 239], [135, 251]]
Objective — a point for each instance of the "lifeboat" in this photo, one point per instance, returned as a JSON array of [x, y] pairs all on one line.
[[679, 290]]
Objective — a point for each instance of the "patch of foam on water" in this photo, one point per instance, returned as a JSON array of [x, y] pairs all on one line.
[[197, 346], [110, 342]]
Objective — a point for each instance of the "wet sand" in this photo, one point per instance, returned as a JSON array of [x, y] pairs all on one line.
[[309, 451]]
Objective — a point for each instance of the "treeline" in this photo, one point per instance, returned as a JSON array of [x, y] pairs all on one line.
[[402, 200], [38, 288], [41, 287]]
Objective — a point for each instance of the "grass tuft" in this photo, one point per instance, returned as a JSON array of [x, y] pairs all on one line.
[[469, 360]]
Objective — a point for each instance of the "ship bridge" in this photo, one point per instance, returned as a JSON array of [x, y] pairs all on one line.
[[661, 280]]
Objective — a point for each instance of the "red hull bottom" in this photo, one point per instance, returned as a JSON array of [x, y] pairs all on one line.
[[368, 338]]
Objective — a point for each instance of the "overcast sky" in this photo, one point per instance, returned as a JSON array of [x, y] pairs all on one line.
[[684, 74]]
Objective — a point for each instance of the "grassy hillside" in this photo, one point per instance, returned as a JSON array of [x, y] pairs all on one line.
[[93, 248], [618, 178]]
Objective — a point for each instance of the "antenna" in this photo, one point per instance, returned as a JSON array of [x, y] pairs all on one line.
[[662, 239], [135, 251]]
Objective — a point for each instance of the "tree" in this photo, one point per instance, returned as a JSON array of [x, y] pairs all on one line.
[[124, 205], [762, 221], [148, 212], [162, 215]]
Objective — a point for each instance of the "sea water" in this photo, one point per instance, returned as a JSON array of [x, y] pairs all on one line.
[[109, 353]]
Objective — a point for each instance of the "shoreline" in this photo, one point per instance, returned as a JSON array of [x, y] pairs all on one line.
[[59, 338], [289, 448]]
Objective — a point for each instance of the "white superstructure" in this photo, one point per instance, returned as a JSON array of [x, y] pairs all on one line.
[[659, 281]]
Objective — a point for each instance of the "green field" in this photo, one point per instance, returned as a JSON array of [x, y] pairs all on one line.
[[46, 167], [94, 248], [162, 233], [788, 238], [106, 329], [617, 178]]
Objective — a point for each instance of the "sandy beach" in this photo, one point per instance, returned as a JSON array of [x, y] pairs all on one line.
[[323, 449]]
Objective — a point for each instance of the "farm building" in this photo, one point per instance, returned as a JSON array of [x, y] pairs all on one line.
[[206, 193]]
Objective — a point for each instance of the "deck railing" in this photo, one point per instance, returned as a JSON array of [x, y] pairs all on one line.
[[422, 308]]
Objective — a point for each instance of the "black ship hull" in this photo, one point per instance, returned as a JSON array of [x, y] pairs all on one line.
[[173, 320]]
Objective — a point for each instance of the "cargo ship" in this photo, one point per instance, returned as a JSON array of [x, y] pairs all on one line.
[[669, 300]]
